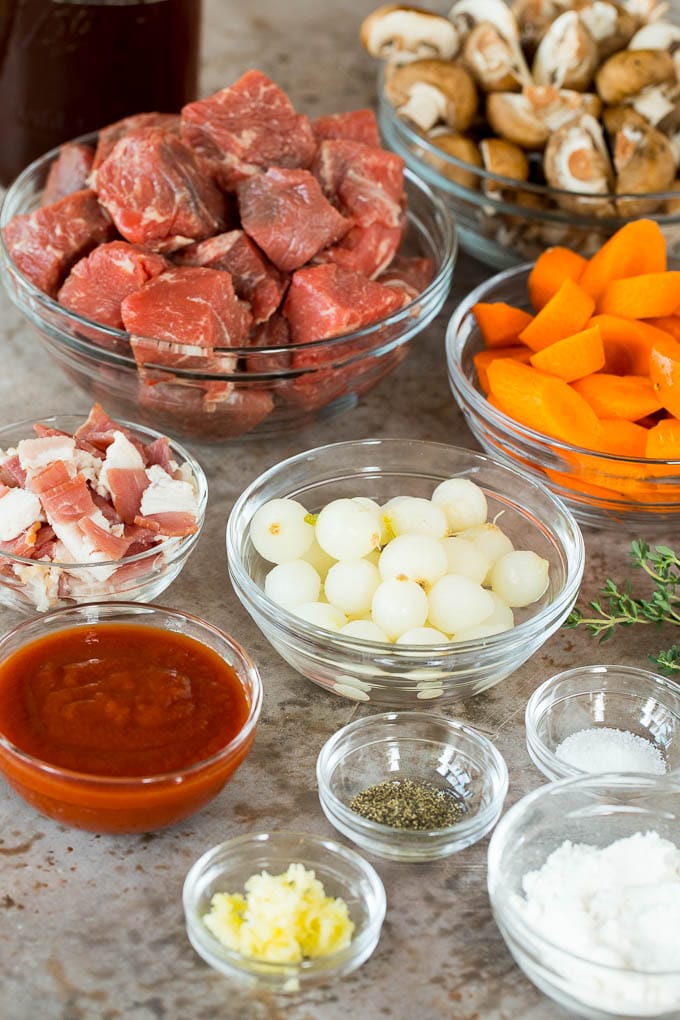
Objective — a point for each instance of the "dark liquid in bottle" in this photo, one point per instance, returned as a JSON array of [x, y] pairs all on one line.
[[67, 68]]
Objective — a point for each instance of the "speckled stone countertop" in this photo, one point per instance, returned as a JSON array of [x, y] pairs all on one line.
[[91, 928]]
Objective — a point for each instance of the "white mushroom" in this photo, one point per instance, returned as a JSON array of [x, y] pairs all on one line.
[[657, 104], [502, 159], [534, 17], [497, 63], [408, 33], [567, 54], [628, 72], [645, 163], [576, 160], [463, 150], [465, 14], [429, 92], [610, 25], [615, 118], [529, 118]]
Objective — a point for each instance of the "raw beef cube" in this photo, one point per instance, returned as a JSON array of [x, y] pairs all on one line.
[[357, 126], [247, 127], [68, 172], [286, 214], [367, 250], [325, 301], [275, 332], [188, 312], [157, 196], [112, 133], [45, 244], [98, 284], [185, 403], [412, 274], [255, 279], [366, 182]]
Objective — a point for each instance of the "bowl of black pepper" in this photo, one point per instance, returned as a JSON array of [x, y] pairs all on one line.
[[410, 786]]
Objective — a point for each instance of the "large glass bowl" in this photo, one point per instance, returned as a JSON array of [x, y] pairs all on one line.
[[602, 489], [264, 395], [595, 810], [402, 675]]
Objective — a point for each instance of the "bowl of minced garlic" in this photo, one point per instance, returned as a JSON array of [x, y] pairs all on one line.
[[283, 909]]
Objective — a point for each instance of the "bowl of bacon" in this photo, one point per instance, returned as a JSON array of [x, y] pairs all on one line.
[[93, 509], [214, 287]]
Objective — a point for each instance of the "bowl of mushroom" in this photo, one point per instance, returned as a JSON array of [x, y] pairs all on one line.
[[542, 122]]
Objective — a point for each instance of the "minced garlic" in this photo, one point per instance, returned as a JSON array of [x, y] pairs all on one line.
[[282, 918]]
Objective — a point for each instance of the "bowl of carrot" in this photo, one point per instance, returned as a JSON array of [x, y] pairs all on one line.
[[571, 368]]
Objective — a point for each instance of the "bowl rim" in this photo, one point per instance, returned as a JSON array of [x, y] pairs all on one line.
[[606, 782], [481, 407], [331, 755], [542, 755], [306, 967], [303, 629], [414, 138], [177, 547], [105, 609], [409, 313]]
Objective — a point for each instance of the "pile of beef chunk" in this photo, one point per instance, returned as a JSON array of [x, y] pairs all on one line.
[[237, 224]]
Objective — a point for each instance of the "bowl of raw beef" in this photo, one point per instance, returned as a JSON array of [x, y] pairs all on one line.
[[93, 509], [212, 281]]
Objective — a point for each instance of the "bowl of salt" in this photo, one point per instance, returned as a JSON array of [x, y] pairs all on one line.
[[594, 719]]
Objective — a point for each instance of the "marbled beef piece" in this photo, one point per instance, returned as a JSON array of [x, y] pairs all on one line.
[[326, 301], [112, 133], [153, 188], [365, 182], [246, 128], [286, 214], [255, 279], [183, 403], [275, 332], [357, 126], [367, 250], [97, 285], [68, 172], [45, 244], [411, 273]]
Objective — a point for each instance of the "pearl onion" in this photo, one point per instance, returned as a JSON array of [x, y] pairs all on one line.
[[501, 619], [466, 558], [364, 629], [279, 531], [491, 541], [463, 502], [413, 557], [321, 614], [520, 577], [319, 559], [422, 636], [456, 602], [290, 584], [408, 514], [399, 606], [350, 586], [347, 530]]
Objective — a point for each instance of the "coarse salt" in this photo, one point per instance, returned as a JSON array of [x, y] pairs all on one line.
[[604, 749]]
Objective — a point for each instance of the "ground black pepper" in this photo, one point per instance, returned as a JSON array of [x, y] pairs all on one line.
[[408, 804]]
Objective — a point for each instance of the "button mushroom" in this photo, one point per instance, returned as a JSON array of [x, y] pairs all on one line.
[[465, 14], [576, 160], [615, 117], [627, 73], [503, 161], [610, 25], [462, 154], [567, 54], [408, 33], [497, 63], [658, 35], [534, 18], [430, 92], [645, 163], [528, 118]]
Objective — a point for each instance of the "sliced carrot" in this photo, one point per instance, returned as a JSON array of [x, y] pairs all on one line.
[[668, 323], [624, 438], [629, 397], [499, 323], [646, 296], [577, 355], [551, 269], [664, 372], [638, 247], [483, 359], [543, 402], [566, 313], [663, 441], [627, 343]]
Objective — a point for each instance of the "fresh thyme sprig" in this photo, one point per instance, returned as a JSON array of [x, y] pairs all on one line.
[[616, 605]]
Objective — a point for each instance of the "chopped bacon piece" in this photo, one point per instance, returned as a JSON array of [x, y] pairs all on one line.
[[23, 544], [159, 452], [98, 430], [175, 524], [67, 502], [51, 477], [11, 472], [110, 545]]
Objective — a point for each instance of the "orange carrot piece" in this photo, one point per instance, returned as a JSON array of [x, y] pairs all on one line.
[[663, 441], [630, 397], [483, 359], [577, 355], [551, 269], [566, 313], [623, 438], [543, 402], [664, 372], [638, 247], [627, 343], [646, 296], [668, 323], [499, 323]]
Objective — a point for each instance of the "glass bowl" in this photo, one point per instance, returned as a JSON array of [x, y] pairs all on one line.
[[601, 489], [112, 804], [402, 675], [412, 745], [342, 873], [264, 396], [617, 697], [595, 810], [28, 585], [502, 221]]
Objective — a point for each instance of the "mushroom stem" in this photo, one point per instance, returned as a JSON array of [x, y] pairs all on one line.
[[425, 106]]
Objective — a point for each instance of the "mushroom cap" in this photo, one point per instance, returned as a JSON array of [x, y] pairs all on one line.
[[451, 80], [567, 54], [576, 160], [504, 159], [396, 31], [497, 63], [628, 72], [609, 23], [513, 117], [645, 163], [465, 14], [461, 148], [534, 17], [615, 117]]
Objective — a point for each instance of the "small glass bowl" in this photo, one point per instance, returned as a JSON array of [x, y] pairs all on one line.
[[28, 585], [342, 872], [117, 804], [265, 395], [412, 745], [401, 675], [601, 489], [618, 697], [595, 810]]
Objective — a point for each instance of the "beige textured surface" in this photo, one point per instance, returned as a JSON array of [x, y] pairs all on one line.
[[91, 928]]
